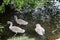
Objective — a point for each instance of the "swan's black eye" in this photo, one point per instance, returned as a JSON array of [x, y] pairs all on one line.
[[1, 1]]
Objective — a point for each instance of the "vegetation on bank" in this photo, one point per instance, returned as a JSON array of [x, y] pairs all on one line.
[[20, 4]]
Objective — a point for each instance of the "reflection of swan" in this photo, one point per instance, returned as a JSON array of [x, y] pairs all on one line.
[[15, 28], [20, 21], [40, 30]]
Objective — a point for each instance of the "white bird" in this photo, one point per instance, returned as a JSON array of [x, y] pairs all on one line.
[[20, 21], [15, 28], [58, 39], [40, 30]]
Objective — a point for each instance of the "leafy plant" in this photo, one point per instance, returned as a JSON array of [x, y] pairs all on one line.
[[1, 27], [2, 7], [19, 4], [5, 2]]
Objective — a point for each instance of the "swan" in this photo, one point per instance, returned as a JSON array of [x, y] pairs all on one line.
[[15, 28], [40, 30], [20, 21]]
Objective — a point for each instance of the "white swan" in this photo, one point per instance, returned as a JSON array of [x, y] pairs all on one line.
[[15, 28], [20, 21], [40, 30]]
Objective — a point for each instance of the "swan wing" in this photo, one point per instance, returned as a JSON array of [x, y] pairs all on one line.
[[17, 29]]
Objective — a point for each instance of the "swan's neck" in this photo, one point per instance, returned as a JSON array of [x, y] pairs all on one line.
[[15, 17], [10, 25]]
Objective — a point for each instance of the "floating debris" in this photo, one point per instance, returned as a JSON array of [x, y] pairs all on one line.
[[54, 31]]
